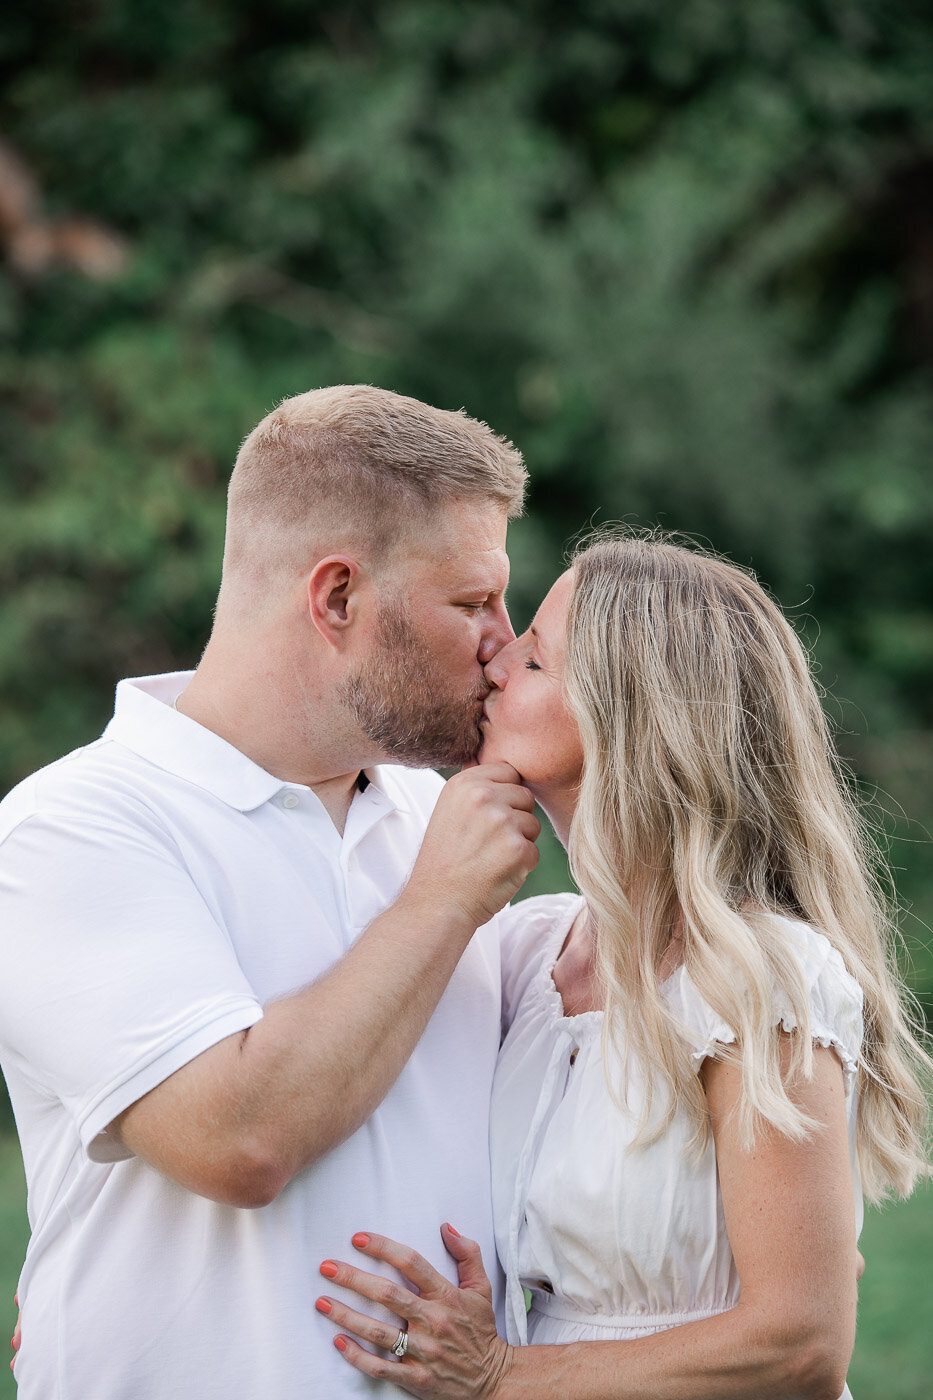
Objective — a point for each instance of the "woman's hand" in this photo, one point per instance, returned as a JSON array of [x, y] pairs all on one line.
[[17, 1330], [454, 1351]]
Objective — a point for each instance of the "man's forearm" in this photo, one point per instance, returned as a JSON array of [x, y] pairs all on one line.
[[240, 1120]]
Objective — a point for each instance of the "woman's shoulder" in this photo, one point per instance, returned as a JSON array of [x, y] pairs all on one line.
[[834, 998], [532, 932]]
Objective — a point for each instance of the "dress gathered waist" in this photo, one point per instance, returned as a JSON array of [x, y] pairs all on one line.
[[563, 1311]]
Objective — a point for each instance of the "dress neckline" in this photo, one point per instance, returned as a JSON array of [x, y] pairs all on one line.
[[554, 945]]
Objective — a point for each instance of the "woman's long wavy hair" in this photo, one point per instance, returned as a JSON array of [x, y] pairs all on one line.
[[712, 795]]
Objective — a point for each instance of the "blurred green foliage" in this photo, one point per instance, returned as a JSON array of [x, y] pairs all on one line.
[[681, 253]]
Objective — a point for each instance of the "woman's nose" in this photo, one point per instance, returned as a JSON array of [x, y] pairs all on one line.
[[496, 670]]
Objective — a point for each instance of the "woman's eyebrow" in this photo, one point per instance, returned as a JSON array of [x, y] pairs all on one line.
[[541, 641]]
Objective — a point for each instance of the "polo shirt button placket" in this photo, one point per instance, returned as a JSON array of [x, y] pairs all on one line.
[[291, 800]]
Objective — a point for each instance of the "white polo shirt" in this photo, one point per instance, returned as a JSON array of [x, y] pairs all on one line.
[[156, 889]]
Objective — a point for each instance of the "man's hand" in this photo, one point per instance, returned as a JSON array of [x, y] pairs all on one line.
[[480, 843]]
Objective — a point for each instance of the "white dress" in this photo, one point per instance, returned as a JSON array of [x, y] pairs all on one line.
[[616, 1244]]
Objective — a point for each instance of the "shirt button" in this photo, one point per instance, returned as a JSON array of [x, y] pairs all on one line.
[[290, 800]]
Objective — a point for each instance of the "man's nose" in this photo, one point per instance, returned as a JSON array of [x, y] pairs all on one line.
[[496, 636]]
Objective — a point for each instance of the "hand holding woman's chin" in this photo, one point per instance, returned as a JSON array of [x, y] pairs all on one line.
[[486, 750], [489, 750], [451, 1348]]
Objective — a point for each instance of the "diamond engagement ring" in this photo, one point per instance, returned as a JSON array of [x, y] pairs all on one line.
[[401, 1345]]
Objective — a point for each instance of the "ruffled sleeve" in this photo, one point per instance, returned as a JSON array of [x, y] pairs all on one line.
[[528, 930], [835, 1003]]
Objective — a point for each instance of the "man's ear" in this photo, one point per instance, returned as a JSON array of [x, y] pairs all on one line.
[[332, 601]]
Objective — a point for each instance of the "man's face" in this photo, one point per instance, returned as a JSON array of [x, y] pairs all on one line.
[[441, 617]]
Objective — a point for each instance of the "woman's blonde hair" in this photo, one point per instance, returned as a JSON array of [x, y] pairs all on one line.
[[712, 796]]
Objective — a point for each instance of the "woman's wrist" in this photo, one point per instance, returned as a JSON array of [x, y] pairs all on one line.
[[502, 1388], [536, 1373], [517, 1379]]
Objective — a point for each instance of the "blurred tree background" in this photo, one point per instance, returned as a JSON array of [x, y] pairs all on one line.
[[681, 251]]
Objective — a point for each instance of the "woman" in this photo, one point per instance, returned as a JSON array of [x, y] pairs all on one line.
[[706, 1061]]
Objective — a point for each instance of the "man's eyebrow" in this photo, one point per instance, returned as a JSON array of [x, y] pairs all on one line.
[[483, 586], [481, 590]]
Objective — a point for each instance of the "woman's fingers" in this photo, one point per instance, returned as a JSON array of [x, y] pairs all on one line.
[[409, 1262], [378, 1334], [375, 1287], [409, 1376], [17, 1333], [469, 1259], [453, 1352]]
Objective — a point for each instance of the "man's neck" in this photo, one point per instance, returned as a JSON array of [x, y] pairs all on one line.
[[336, 798], [247, 705]]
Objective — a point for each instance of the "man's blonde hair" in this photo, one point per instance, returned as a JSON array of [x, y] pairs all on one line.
[[359, 464], [712, 794]]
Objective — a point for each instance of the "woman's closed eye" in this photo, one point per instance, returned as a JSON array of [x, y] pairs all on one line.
[[532, 665]]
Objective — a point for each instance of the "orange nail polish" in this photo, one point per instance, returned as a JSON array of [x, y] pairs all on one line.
[[452, 1230], [329, 1269], [361, 1241], [322, 1305], [340, 1344]]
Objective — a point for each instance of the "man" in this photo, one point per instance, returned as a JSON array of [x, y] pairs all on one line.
[[221, 955]]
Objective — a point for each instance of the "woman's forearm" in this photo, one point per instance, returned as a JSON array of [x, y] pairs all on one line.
[[789, 1212], [737, 1355]]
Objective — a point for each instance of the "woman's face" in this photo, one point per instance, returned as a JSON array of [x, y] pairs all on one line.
[[526, 722]]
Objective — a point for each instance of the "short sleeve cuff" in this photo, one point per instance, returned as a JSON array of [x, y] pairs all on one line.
[[213, 1024], [835, 1004]]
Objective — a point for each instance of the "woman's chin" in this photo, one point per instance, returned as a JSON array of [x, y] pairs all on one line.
[[488, 751], [485, 754]]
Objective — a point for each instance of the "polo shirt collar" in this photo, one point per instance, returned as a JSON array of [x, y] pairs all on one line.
[[385, 783], [145, 722]]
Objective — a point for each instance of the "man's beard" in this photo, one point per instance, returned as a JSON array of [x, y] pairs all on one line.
[[402, 702]]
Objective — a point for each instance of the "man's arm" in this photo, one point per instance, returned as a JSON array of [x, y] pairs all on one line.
[[240, 1120]]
